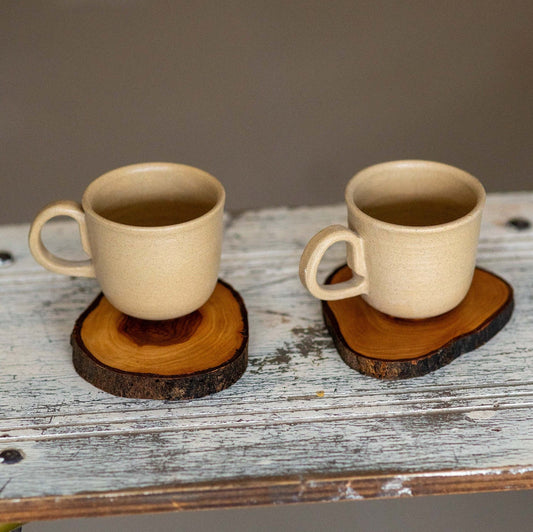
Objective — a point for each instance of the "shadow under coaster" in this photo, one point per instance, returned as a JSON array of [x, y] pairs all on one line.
[[184, 358], [381, 346]]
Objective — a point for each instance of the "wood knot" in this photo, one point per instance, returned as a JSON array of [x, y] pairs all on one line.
[[161, 333]]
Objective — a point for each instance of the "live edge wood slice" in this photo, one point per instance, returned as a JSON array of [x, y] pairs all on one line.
[[196, 355], [390, 348]]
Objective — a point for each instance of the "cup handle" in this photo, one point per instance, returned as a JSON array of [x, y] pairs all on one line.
[[78, 268], [315, 250]]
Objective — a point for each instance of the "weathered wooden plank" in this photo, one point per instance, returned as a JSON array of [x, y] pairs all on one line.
[[299, 425], [277, 490]]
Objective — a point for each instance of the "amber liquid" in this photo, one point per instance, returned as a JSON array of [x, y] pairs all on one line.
[[418, 212], [155, 213]]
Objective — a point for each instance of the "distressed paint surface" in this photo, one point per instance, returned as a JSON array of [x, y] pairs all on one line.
[[298, 412]]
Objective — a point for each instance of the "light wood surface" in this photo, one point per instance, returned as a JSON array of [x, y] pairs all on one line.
[[299, 426]]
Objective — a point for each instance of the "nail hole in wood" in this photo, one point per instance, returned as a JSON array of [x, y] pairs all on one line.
[[6, 259], [11, 456], [521, 224]]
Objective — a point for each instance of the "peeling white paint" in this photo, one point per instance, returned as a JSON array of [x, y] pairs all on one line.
[[395, 488], [351, 494], [520, 470], [480, 415], [513, 470], [344, 491]]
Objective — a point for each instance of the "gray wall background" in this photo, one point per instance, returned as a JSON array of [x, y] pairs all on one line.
[[283, 101]]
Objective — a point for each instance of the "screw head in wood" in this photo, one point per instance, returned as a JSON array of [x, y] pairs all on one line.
[[521, 224], [11, 456], [6, 258]]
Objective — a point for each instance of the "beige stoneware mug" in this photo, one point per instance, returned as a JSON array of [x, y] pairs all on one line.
[[412, 239], [153, 232]]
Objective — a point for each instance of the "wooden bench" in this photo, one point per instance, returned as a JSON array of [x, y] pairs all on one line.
[[299, 426]]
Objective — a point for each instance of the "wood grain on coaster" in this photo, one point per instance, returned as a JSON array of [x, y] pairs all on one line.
[[196, 355], [391, 348]]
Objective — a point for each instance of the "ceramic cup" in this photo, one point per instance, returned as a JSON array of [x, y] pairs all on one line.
[[412, 239], [153, 232]]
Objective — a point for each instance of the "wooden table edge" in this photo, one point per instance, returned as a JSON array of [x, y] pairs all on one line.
[[244, 492]]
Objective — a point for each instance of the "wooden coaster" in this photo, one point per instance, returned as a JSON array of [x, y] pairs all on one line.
[[379, 345], [196, 355]]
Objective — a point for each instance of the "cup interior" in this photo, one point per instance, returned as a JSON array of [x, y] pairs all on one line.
[[415, 193], [153, 195]]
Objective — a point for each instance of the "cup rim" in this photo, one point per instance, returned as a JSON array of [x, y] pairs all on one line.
[[469, 179], [92, 188]]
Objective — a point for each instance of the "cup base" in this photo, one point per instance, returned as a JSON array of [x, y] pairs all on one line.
[[384, 347]]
